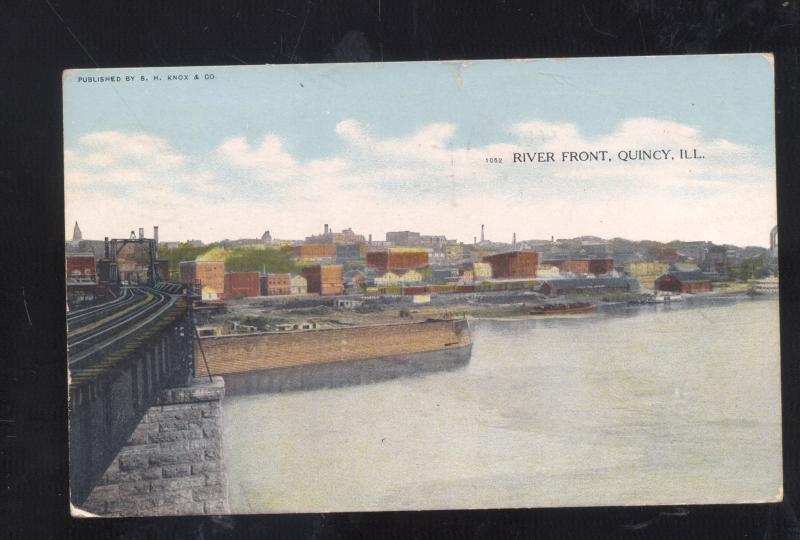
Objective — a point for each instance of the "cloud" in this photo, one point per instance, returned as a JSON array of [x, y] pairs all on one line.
[[429, 181]]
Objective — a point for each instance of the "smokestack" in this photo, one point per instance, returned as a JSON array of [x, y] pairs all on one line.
[[514, 240], [474, 239], [141, 233], [155, 235], [482, 237], [370, 238], [326, 228], [107, 249]]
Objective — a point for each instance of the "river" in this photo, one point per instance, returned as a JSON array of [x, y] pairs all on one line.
[[632, 405]]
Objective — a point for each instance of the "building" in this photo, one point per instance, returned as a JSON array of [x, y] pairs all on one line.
[[347, 252], [397, 259], [646, 272], [353, 280], [404, 238], [390, 278], [482, 271], [315, 252], [77, 235], [513, 264], [454, 252], [324, 279], [242, 284], [206, 278], [347, 236], [80, 267], [683, 282], [597, 267], [276, 284], [347, 303], [299, 285], [547, 271], [587, 285]]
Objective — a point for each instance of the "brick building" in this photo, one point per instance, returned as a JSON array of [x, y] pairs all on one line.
[[315, 251], [324, 279], [397, 259], [276, 284], [683, 282], [585, 266], [513, 264], [206, 278], [242, 284], [80, 267]]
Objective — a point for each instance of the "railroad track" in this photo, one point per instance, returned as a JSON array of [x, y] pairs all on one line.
[[87, 316], [134, 309]]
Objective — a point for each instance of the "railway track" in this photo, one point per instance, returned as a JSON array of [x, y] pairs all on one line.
[[100, 326]]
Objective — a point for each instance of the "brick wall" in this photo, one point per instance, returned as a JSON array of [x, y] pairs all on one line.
[[238, 354], [172, 463]]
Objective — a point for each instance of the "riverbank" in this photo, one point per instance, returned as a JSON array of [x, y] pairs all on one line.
[[265, 314]]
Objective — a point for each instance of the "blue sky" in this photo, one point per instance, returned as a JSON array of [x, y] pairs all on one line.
[[257, 142]]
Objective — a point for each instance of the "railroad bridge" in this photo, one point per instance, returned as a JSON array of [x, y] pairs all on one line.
[[144, 433]]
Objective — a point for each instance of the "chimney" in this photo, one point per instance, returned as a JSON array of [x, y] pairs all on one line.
[[326, 228], [155, 235], [482, 237], [107, 248], [474, 239], [370, 238], [141, 233], [514, 240]]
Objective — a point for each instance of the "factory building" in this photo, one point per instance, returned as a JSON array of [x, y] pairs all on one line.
[[242, 284], [206, 278], [513, 264], [397, 259], [315, 252], [683, 282], [276, 284], [324, 279]]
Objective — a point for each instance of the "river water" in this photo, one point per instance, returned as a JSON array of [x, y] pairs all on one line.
[[632, 405]]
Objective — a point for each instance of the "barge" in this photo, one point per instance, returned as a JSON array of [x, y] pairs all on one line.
[[563, 309]]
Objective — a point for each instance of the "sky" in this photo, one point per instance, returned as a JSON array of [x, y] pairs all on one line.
[[229, 152]]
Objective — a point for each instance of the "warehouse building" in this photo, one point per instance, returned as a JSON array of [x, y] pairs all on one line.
[[397, 259], [513, 264], [315, 252], [242, 284], [683, 282], [324, 279], [205, 278], [588, 285], [276, 284]]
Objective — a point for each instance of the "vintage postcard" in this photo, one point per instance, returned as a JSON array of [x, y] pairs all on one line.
[[424, 285]]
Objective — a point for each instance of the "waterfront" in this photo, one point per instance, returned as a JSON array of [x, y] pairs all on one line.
[[632, 405]]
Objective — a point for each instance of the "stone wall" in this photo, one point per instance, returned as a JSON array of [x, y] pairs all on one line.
[[172, 464], [254, 352]]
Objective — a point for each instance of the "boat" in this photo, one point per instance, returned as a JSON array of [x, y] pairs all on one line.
[[563, 309], [667, 298]]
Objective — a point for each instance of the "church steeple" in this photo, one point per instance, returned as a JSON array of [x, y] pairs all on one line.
[[76, 233]]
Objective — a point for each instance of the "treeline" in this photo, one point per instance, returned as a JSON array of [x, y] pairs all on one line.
[[269, 260], [236, 259]]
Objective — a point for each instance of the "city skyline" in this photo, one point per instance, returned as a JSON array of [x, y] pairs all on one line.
[[202, 162]]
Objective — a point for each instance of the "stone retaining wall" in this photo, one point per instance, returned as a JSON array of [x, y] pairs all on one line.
[[172, 463]]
